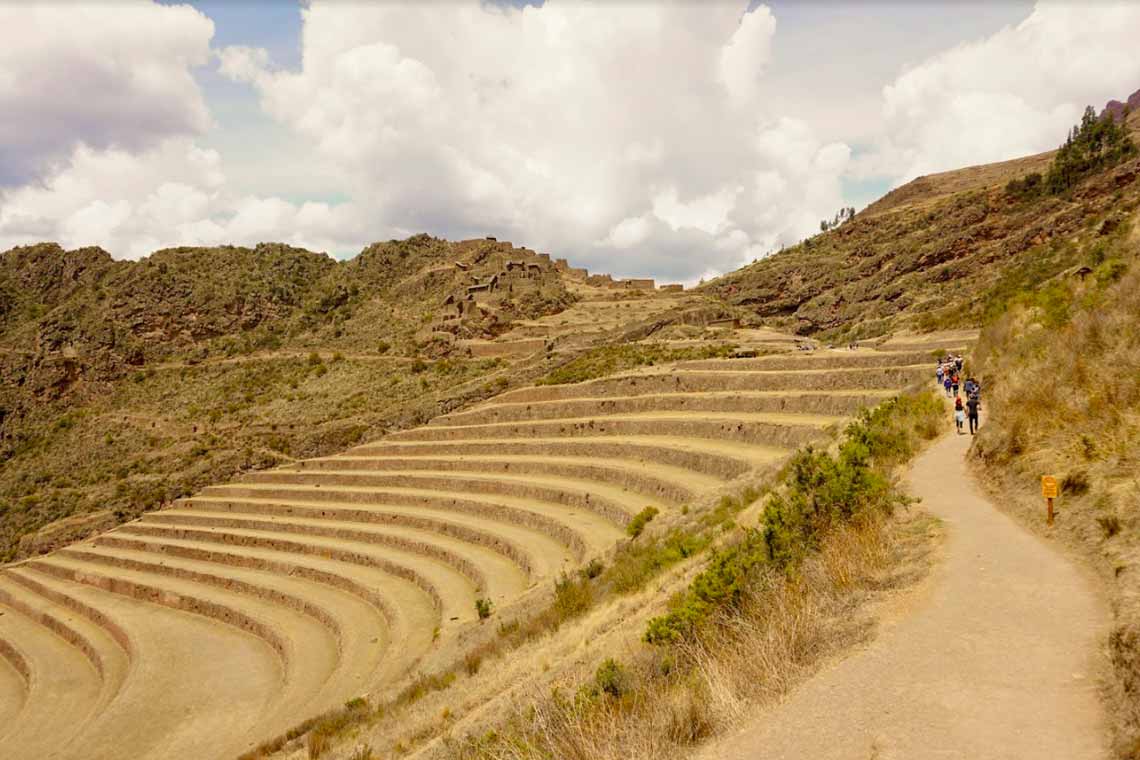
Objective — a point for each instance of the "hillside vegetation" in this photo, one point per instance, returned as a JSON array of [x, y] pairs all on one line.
[[1063, 394], [945, 248]]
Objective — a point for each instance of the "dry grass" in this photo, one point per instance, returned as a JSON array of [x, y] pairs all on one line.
[[669, 699]]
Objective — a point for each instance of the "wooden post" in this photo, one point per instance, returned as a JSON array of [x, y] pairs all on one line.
[[1049, 491]]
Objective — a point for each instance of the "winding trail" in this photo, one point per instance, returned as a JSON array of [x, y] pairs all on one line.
[[994, 656]]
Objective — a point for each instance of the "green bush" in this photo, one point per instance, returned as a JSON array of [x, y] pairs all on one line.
[[640, 520], [592, 569], [1029, 186], [820, 491], [483, 607], [720, 583], [1110, 271], [610, 678], [637, 562], [572, 597]]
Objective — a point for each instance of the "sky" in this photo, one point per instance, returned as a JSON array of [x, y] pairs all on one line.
[[675, 140]]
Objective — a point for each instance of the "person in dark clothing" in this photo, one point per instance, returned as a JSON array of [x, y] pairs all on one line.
[[973, 404]]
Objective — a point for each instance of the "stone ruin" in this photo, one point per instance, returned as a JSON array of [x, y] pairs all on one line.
[[497, 273]]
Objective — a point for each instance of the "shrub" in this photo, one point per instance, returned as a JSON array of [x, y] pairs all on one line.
[[1029, 186], [592, 569], [1110, 271], [636, 563], [610, 678], [1075, 483], [640, 520], [483, 607], [820, 491], [424, 685], [572, 597], [1109, 525]]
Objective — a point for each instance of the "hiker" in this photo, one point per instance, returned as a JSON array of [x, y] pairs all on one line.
[[938, 373], [959, 414], [973, 404], [958, 363], [954, 383], [946, 383]]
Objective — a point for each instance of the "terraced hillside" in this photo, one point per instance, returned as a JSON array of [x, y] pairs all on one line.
[[200, 630]]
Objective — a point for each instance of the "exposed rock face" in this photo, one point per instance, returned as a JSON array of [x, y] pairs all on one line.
[[1117, 109]]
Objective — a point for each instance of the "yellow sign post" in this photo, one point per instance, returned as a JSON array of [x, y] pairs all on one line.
[[1049, 491]]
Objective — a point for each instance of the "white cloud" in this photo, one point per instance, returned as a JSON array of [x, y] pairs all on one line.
[[629, 232], [743, 59], [611, 133], [171, 194], [708, 214], [1013, 93], [241, 63], [633, 138], [97, 75]]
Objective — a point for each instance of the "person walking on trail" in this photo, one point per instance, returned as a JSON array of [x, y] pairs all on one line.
[[958, 363], [973, 387], [959, 414], [938, 374], [946, 383], [954, 383], [973, 404]]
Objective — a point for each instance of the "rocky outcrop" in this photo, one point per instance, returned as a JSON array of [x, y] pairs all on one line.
[[1120, 110]]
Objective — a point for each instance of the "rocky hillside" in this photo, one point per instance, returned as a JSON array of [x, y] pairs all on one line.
[[941, 251], [127, 384]]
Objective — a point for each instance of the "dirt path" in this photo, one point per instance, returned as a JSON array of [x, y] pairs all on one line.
[[995, 656]]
